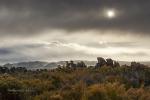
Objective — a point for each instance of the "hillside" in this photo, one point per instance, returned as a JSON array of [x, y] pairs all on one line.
[[51, 65]]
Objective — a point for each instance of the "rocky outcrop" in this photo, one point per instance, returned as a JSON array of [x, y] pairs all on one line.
[[101, 62], [137, 65], [108, 62]]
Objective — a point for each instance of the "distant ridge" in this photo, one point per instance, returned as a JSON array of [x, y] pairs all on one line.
[[33, 65]]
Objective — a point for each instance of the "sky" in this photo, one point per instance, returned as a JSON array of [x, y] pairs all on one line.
[[55, 30]]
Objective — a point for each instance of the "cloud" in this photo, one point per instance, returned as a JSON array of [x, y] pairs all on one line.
[[57, 50], [73, 29], [31, 16], [4, 51]]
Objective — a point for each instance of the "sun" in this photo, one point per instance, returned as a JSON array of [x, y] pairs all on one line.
[[110, 13]]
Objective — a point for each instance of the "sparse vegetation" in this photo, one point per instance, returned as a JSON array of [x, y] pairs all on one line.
[[80, 83]]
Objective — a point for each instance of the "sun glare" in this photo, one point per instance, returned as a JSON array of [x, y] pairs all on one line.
[[110, 13]]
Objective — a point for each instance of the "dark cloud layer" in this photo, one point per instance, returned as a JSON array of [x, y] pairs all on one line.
[[4, 51], [31, 16]]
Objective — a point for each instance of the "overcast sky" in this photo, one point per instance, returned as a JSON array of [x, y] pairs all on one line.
[[54, 30]]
